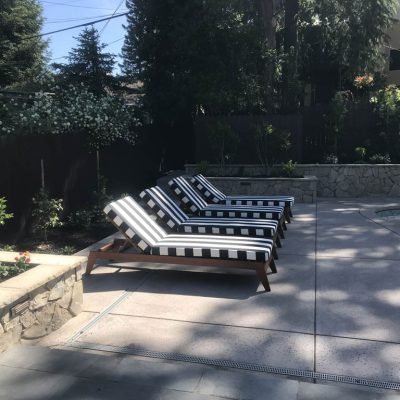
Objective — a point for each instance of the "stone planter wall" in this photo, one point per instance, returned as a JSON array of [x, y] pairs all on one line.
[[303, 189], [40, 300], [334, 180]]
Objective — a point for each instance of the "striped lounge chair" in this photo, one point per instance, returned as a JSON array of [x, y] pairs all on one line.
[[153, 244], [168, 212], [197, 205], [214, 195]]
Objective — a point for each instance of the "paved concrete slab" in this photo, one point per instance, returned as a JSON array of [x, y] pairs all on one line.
[[359, 299], [292, 245], [205, 340], [226, 299], [357, 241], [360, 358]]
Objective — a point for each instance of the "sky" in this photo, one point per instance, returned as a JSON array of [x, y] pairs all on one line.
[[59, 14]]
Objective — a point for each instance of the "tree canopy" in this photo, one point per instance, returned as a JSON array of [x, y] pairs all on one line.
[[88, 64], [21, 50]]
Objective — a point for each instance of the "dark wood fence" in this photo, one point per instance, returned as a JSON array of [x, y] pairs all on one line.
[[70, 173], [311, 136]]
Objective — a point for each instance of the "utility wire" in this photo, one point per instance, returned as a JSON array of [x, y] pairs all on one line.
[[76, 26], [72, 5], [105, 25], [65, 20]]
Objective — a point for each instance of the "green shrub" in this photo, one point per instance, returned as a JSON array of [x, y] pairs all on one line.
[[271, 145], [288, 169], [46, 212], [4, 215], [380, 159]]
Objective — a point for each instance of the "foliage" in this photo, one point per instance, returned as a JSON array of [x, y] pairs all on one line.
[[46, 213], [72, 110], [21, 265], [7, 247], [387, 107], [81, 218], [345, 36], [361, 152], [194, 58], [88, 64], [271, 144], [68, 250], [338, 110], [289, 168], [380, 159], [4, 215], [223, 142], [21, 50], [330, 159]]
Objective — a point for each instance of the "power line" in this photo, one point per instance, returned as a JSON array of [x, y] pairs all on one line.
[[62, 21], [72, 5], [105, 25], [76, 26]]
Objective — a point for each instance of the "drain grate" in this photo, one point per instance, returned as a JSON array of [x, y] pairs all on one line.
[[297, 373]]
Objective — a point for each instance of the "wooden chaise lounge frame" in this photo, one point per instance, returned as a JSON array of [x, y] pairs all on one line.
[[115, 251]]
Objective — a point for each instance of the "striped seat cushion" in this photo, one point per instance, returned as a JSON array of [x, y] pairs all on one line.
[[222, 247], [167, 211], [213, 194], [218, 211], [142, 230], [196, 204]]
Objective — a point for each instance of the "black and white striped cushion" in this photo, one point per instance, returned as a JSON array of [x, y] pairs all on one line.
[[193, 200], [187, 194], [223, 247], [166, 210], [138, 226], [214, 195], [134, 223]]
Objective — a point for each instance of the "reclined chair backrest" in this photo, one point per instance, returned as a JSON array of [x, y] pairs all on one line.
[[163, 206], [187, 194], [208, 190], [134, 223]]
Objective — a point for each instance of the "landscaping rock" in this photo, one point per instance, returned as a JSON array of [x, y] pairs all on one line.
[[39, 299], [60, 317], [27, 319], [35, 332], [57, 291], [45, 314]]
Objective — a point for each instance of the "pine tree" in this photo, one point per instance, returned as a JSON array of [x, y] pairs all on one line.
[[88, 64], [21, 50]]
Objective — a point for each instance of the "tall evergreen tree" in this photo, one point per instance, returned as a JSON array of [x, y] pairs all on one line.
[[88, 64], [21, 53], [201, 56]]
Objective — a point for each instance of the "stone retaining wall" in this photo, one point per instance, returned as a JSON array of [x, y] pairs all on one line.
[[40, 300], [334, 180], [303, 189]]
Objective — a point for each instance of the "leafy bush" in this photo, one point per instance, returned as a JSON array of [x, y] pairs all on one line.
[[21, 265], [4, 215], [330, 159], [101, 119], [46, 212], [271, 144], [288, 169], [361, 152], [81, 218], [224, 142], [380, 159]]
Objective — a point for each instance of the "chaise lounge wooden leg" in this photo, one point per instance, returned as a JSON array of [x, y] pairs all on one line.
[[274, 253], [272, 265], [278, 241], [262, 276], [90, 263], [280, 231], [286, 212]]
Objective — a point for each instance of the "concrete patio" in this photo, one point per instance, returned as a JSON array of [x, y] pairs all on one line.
[[169, 332]]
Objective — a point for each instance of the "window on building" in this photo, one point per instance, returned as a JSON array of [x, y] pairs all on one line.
[[394, 60]]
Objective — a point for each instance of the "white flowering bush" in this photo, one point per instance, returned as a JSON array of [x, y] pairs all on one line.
[[72, 110]]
